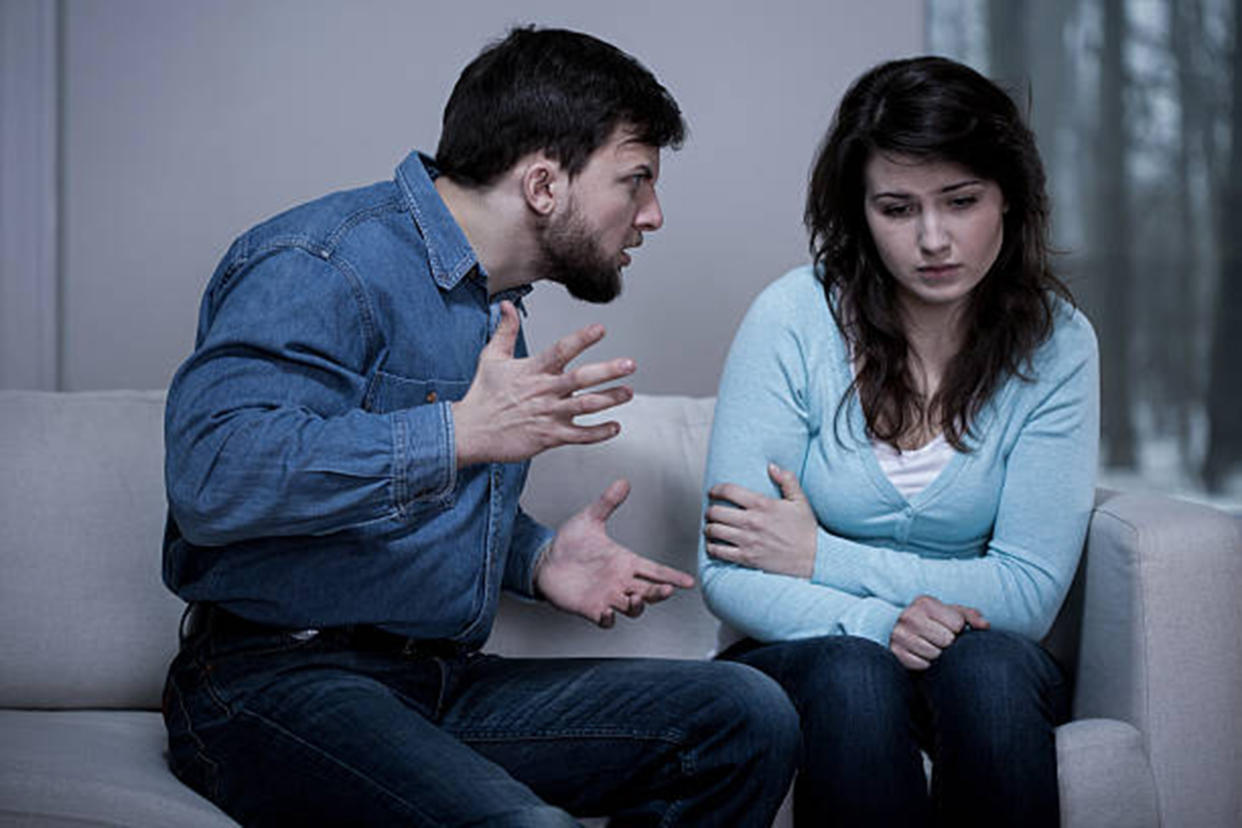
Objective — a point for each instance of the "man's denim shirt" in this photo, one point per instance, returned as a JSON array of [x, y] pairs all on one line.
[[310, 462]]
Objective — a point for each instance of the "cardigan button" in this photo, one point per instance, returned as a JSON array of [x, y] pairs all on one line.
[[431, 396]]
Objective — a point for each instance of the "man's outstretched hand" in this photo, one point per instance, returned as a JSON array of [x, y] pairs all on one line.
[[516, 408], [585, 572]]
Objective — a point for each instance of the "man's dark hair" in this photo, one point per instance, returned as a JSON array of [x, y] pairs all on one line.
[[932, 108], [549, 90]]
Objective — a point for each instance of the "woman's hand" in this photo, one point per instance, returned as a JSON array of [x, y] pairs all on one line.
[[775, 535], [928, 626]]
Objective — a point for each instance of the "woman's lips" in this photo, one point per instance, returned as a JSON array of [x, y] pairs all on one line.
[[938, 271]]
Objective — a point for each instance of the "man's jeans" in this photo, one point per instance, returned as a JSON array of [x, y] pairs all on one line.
[[985, 712], [282, 728]]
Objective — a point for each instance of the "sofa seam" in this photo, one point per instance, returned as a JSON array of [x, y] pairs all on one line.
[[1141, 619]]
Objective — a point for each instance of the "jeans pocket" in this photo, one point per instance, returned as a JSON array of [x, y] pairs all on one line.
[[234, 666], [188, 711]]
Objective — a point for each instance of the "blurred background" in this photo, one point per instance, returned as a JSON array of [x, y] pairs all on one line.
[[139, 137], [1137, 108]]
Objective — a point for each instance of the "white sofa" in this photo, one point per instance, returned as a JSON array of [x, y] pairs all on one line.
[[87, 629]]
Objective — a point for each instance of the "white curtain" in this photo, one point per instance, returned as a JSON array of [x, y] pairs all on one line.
[[29, 335]]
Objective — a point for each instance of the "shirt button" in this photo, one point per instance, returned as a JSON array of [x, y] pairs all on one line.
[[431, 396]]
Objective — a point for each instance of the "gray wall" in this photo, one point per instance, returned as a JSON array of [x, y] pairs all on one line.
[[185, 123]]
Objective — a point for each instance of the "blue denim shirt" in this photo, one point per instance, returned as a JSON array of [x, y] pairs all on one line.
[[310, 461]]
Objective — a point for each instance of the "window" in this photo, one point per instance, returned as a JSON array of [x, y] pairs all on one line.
[[1133, 105]]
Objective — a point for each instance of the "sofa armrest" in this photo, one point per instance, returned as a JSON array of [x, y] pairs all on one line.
[[1161, 618]]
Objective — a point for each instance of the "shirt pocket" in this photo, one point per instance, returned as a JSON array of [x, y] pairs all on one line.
[[391, 392]]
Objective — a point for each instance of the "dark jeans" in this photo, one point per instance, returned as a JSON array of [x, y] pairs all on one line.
[[337, 728], [984, 711]]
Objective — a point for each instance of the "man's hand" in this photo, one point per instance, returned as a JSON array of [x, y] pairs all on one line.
[[516, 408], [775, 535], [926, 627], [585, 572]]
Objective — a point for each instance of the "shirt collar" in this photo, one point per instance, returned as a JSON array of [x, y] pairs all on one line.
[[448, 251]]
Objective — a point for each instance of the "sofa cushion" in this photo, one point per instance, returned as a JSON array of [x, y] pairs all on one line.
[[93, 767], [86, 619]]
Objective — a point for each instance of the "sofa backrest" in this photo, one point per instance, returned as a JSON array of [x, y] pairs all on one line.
[[661, 450], [88, 622], [85, 620]]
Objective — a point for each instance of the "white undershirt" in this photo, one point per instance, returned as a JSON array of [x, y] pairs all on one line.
[[911, 471]]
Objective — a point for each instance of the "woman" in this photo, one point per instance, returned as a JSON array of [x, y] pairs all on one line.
[[902, 464]]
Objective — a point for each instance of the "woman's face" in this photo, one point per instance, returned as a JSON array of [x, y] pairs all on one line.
[[937, 226]]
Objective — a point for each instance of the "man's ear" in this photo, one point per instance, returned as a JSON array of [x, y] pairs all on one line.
[[542, 184]]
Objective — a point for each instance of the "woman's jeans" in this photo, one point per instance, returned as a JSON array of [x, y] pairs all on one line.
[[985, 712], [337, 728]]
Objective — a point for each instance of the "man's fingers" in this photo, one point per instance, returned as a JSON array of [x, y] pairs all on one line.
[[585, 435], [595, 373], [634, 607], [563, 351], [655, 593], [631, 603], [607, 503], [660, 574], [634, 600], [505, 336], [598, 400]]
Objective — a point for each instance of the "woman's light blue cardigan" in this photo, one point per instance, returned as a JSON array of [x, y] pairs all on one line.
[[1000, 529]]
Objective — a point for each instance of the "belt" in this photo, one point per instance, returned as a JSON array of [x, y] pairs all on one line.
[[210, 619]]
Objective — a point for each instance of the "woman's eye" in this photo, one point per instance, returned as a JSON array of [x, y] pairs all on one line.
[[962, 202], [897, 210]]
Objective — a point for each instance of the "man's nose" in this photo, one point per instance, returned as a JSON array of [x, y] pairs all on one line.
[[650, 217]]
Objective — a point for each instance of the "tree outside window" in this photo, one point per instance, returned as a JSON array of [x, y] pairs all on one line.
[[1137, 107]]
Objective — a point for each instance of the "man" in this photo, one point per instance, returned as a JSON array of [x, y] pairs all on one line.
[[345, 451]]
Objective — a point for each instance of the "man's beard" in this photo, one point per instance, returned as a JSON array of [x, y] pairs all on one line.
[[571, 257]]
